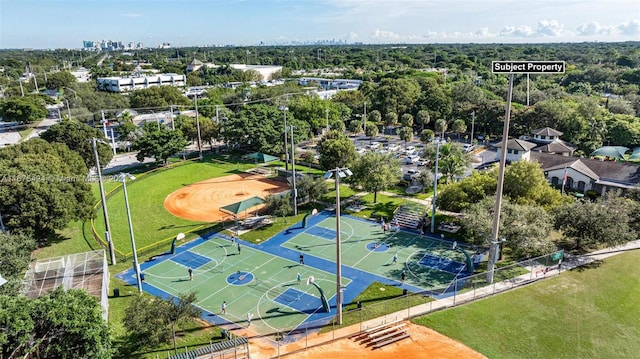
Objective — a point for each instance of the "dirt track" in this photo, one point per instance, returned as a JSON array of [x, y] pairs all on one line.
[[423, 343], [201, 201]]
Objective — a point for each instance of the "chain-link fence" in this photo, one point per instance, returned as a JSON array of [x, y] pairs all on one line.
[[358, 317]]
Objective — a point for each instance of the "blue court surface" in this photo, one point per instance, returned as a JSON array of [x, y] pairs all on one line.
[[268, 281], [191, 260]]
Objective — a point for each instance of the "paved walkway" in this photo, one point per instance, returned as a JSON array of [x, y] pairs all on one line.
[[569, 262]]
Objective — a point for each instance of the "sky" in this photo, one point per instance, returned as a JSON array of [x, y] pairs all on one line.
[[66, 23]]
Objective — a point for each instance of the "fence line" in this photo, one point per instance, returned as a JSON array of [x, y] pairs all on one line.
[[123, 256], [411, 305]]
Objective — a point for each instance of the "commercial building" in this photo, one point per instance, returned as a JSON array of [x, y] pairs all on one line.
[[131, 83]]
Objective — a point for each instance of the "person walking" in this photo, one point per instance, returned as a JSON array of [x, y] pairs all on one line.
[[395, 258], [301, 259], [224, 307], [298, 278], [239, 248], [190, 273], [249, 317], [233, 239], [403, 276]]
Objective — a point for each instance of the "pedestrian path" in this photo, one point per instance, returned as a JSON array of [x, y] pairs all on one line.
[[569, 262]]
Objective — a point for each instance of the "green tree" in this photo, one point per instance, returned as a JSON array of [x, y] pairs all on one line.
[[406, 120], [396, 95], [59, 80], [261, 128], [458, 196], [390, 120], [426, 136], [159, 143], [375, 116], [78, 137], [44, 187], [459, 127], [23, 110], [441, 127], [61, 324], [278, 205], [525, 228], [157, 96], [179, 311], [375, 172], [423, 118], [453, 161], [145, 324], [526, 184], [16, 255], [406, 134], [311, 188], [576, 221], [371, 130], [336, 150]]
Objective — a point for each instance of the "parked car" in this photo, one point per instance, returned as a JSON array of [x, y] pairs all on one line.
[[423, 162], [411, 160], [393, 147], [467, 147], [361, 151], [374, 145]]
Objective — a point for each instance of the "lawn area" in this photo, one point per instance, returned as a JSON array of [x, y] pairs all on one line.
[[590, 312], [151, 222], [377, 300]]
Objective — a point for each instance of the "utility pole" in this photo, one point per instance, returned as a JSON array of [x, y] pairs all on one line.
[[198, 127], [473, 118], [294, 195]]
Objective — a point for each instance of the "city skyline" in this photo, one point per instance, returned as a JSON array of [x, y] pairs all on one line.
[[66, 23]]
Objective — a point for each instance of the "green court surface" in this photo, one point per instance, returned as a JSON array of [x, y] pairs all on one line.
[[262, 278], [266, 286], [367, 248]]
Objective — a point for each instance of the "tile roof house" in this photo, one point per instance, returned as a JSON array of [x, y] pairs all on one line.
[[582, 174]]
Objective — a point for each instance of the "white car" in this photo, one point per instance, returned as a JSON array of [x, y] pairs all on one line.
[[393, 147], [467, 147], [361, 151], [374, 145], [411, 160]]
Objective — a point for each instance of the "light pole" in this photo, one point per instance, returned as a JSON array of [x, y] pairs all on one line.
[[473, 120], [435, 189], [327, 118], [293, 178], [68, 109], [339, 173], [286, 150], [75, 94], [4, 230], [107, 227], [198, 127], [364, 119], [496, 211], [136, 266]]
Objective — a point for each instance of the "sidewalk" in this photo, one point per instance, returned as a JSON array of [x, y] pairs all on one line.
[[569, 262]]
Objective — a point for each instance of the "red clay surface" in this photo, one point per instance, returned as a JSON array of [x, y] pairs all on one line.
[[201, 201], [423, 343]]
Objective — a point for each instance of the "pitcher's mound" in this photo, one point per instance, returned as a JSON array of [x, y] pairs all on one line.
[[201, 201]]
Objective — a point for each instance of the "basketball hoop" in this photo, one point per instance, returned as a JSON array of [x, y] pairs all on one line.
[[310, 280], [180, 236]]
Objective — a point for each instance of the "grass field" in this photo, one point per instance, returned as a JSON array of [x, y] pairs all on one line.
[[590, 312]]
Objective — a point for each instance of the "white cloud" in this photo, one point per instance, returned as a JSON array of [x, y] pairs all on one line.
[[352, 36], [550, 28], [520, 31], [593, 28], [630, 27], [385, 35]]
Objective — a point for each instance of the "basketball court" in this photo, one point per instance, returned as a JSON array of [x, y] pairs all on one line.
[[261, 279]]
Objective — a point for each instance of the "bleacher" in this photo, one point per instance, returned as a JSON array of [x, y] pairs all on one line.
[[409, 215], [238, 346], [383, 334]]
